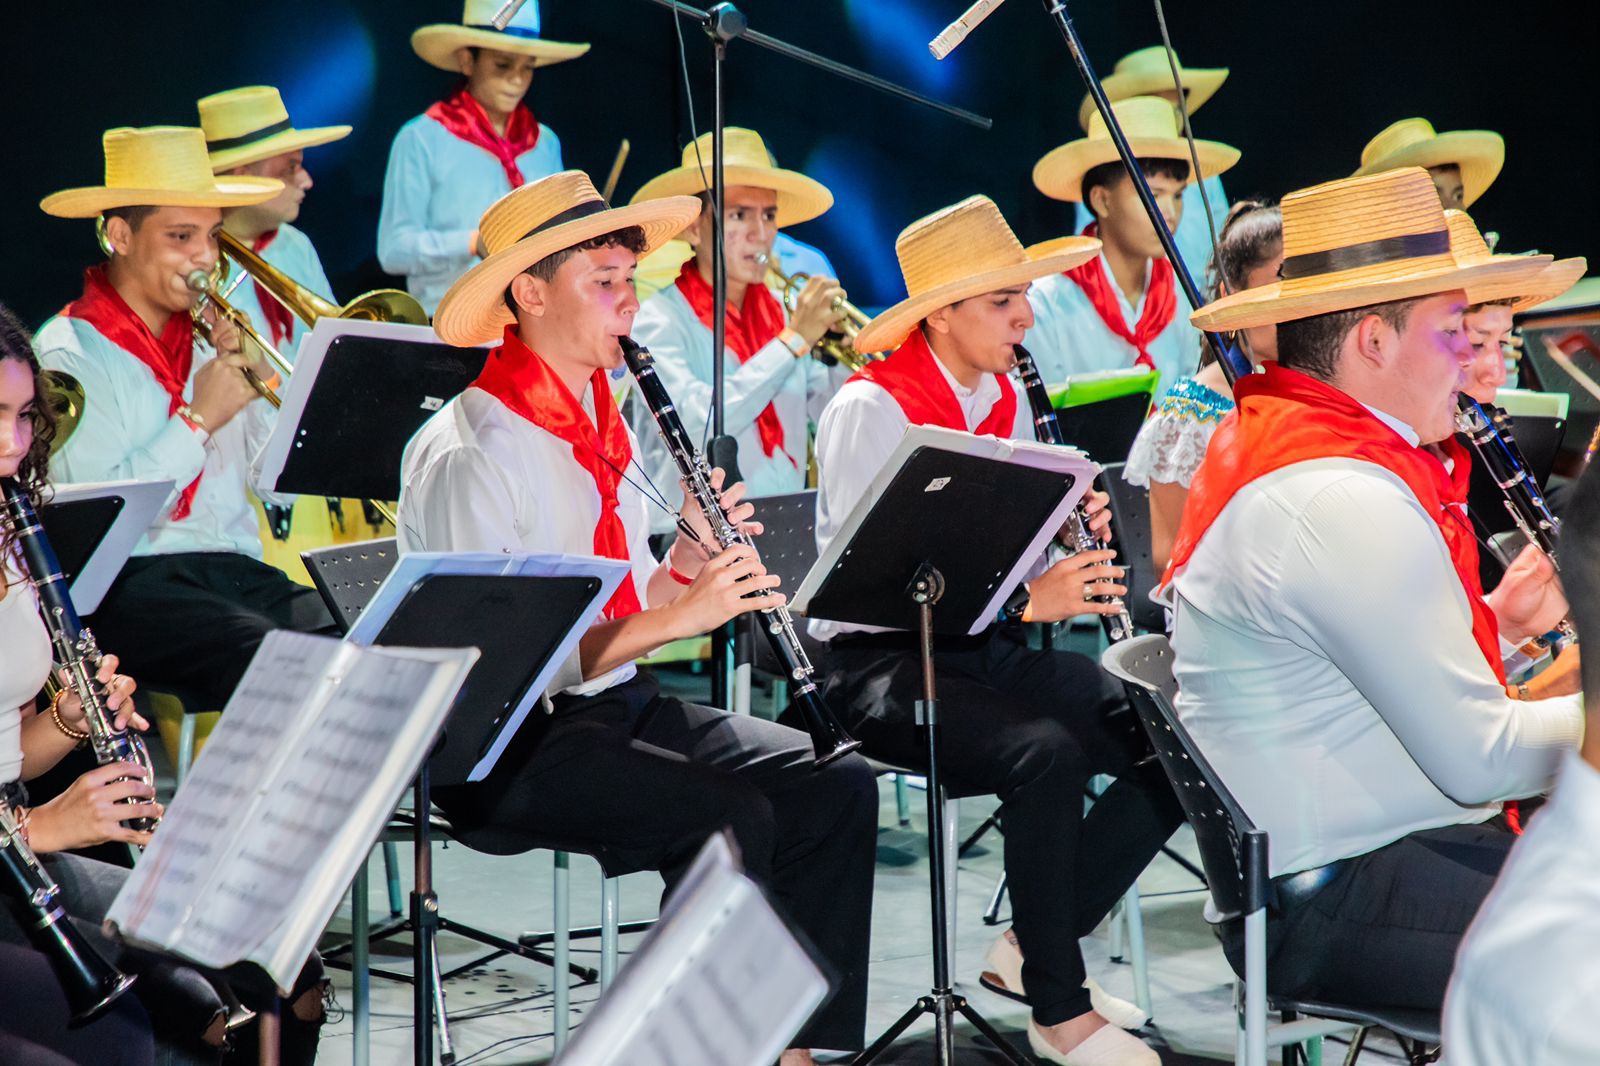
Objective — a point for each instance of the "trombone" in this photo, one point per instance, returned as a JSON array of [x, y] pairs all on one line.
[[838, 344]]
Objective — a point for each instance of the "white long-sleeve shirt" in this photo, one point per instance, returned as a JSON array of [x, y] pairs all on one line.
[[291, 252]]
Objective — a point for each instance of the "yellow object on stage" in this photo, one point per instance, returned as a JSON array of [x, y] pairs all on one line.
[[315, 522]]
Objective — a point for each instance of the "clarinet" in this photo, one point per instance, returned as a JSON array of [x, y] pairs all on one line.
[[829, 739], [1047, 427], [75, 649]]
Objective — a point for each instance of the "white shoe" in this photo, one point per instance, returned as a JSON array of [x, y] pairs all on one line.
[[1107, 1046], [1004, 977], [1119, 1012]]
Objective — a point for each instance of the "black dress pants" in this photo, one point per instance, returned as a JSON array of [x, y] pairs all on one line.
[[640, 781], [1031, 727], [194, 619]]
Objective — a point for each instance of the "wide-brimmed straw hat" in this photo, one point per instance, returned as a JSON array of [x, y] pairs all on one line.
[[537, 220], [436, 44], [1362, 241], [1413, 142], [1151, 126], [1147, 73], [1469, 246], [244, 126], [745, 161], [158, 166], [963, 251]]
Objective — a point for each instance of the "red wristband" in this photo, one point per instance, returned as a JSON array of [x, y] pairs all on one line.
[[681, 579]]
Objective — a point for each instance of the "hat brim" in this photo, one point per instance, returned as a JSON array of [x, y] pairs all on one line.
[[474, 311], [800, 199], [92, 200], [1200, 85], [1556, 279], [1479, 153], [436, 45], [290, 140], [1059, 174], [890, 329]]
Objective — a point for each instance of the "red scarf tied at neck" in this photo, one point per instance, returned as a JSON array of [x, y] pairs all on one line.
[[912, 376], [280, 320], [465, 117], [170, 357], [515, 375], [750, 329], [1160, 300]]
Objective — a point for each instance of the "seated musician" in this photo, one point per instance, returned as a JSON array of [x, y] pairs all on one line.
[[1462, 163], [195, 600], [772, 390], [1120, 309], [1336, 658], [535, 456], [1028, 726]]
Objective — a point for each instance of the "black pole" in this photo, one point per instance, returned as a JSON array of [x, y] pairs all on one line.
[[424, 915]]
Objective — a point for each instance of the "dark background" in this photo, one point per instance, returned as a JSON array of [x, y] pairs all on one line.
[[1311, 83]]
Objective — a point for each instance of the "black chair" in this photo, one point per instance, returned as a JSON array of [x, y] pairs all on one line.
[[1130, 518], [1234, 854]]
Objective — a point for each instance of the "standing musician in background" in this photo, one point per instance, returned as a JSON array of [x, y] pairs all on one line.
[[195, 600], [535, 457], [771, 389], [466, 151], [1462, 163], [1028, 726]]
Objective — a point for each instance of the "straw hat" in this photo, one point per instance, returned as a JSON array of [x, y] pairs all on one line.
[[956, 253], [248, 125], [1361, 241], [1412, 142], [437, 44], [745, 161], [1151, 125], [158, 166], [1147, 73], [1468, 246], [537, 220]]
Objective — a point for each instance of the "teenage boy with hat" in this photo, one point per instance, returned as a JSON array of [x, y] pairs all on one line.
[[451, 162], [1348, 684], [535, 456], [1462, 163], [1122, 308], [771, 389], [1028, 726]]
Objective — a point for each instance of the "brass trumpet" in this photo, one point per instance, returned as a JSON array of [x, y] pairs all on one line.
[[838, 344]]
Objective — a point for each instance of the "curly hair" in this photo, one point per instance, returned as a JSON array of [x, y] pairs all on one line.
[[17, 344]]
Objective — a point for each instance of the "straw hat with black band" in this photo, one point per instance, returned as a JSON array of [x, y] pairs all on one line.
[[1147, 73], [745, 161], [245, 126], [1362, 241], [1469, 246], [158, 166], [1151, 126], [436, 45], [535, 221], [1413, 142], [963, 251]]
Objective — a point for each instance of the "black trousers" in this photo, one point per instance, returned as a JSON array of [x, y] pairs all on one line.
[[193, 620], [1031, 727], [35, 1019], [640, 781], [1385, 930]]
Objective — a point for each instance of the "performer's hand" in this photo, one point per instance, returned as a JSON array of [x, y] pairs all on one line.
[[688, 555], [221, 390], [721, 589], [1097, 505], [226, 337], [119, 690], [1063, 591], [1528, 602], [814, 310], [1561, 678], [88, 813]]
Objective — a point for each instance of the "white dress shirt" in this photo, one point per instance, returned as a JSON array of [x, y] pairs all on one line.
[[1526, 976], [1326, 667], [291, 252], [478, 477], [24, 664]]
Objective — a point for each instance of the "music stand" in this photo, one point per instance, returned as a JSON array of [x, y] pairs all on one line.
[[953, 521], [94, 527], [788, 547]]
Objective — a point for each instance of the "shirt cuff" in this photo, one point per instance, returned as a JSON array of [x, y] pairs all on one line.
[[180, 450]]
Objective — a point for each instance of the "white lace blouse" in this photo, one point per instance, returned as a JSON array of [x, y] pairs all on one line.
[[1172, 442]]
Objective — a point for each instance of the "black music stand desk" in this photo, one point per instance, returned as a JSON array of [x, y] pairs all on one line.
[[94, 527]]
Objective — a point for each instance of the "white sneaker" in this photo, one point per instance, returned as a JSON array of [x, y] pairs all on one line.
[[1108, 1046]]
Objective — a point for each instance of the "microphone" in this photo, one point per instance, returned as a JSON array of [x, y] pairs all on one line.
[[507, 12], [957, 31]]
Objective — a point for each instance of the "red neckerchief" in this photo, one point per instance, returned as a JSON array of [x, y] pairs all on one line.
[[279, 318], [911, 376], [465, 117], [515, 375], [170, 357], [1286, 417], [750, 329], [1160, 300]]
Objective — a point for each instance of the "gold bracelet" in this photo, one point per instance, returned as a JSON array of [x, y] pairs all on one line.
[[77, 735]]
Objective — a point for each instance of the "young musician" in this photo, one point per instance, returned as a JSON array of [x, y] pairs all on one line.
[[536, 457], [1336, 658], [1029, 726], [772, 389], [466, 151], [1121, 308], [1462, 163], [248, 133], [195, 601]]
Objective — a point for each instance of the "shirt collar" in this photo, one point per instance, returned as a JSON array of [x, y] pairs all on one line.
[[1410, 435]]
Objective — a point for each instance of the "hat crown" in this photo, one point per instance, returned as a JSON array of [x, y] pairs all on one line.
[[240, 112], [1145, 60], [1354, 211], [157, 157], [1139, 116], [740, 148], [963, 240], [521, 211], [525, 23], [1395, 137], [1465, 240]]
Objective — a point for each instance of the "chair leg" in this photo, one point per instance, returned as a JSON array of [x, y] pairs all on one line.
[[780, 697], [1255, 987], [610, 906], [991, 914], [561, 950], [952, 839], [391, 873], [1357, 1042], [902, 801], [447, 1047], [185, 751], [1117, 940], [360, 975], [1133, 921], [741, 689]]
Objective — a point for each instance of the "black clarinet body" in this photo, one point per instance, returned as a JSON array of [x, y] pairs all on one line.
[[829, 739]]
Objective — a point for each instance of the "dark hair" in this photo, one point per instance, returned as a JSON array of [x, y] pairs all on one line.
[[1311, 345], [133, 216], [1580, 566], [631, 237], [1252, 233], [16, 344], [1490, 303], [1109, 174]]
